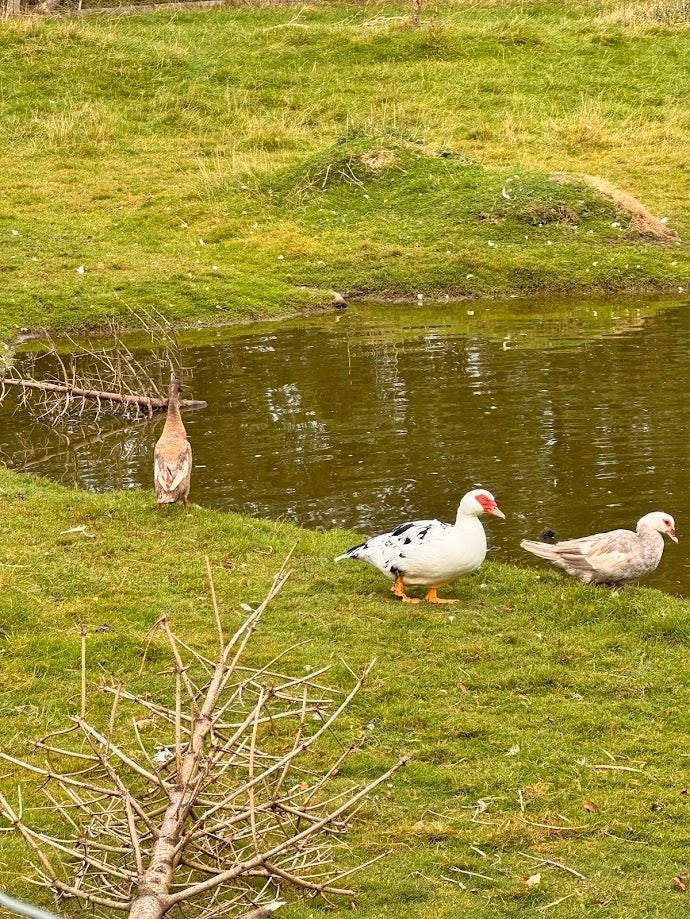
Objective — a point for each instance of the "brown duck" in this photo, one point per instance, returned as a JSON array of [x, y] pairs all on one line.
[[172, 458]]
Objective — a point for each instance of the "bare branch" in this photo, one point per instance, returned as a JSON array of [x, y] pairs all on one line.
[[239, 805]]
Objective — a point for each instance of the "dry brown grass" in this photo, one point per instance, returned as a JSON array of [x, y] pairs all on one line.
[[645, 13]]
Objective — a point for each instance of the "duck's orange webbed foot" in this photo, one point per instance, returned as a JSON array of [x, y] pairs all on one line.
[[398, 589], [433, 597]]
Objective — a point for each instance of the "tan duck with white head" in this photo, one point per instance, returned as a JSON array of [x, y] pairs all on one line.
[[615, 557], [172, 458]]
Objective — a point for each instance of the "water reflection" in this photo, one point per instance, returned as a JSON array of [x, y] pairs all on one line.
[[364, 419]]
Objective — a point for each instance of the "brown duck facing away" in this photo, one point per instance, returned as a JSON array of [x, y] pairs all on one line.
[[616, 557], [172, 458]]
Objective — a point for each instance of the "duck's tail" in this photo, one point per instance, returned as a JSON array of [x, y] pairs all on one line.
[[351, 553], [541, 549]]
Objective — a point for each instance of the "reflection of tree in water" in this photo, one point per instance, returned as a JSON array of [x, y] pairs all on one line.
[[71, 453]]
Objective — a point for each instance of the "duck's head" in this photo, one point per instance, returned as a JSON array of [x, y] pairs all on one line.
[[479, 501], [175, 387], [661, 522]]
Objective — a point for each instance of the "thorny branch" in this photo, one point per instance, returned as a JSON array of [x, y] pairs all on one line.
[[221, 794]]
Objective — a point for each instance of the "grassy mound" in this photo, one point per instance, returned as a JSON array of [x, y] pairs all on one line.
[[533, 695], [431, 222]]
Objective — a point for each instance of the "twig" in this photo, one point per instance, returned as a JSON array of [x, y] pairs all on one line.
[[83, 672], [554, 864], [134, 836], [113, 712], [214, 601], [618, 768], [542, 909], [472, 874], [551, 826]]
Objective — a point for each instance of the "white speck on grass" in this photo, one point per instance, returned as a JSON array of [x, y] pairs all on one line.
[[14, 232], [492, 244], [80, 269], [469, 276], [514, 750], [505, 194], [664, 219], [615, 224]]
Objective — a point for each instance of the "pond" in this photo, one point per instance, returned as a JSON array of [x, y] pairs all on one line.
[[576, 416]]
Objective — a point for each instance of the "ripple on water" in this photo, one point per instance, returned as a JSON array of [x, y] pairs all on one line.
[[577, 420]]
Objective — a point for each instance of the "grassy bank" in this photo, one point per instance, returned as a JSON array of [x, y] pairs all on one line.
[[534, 684], [240, 163]]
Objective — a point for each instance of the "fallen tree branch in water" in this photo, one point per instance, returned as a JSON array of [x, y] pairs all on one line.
[[67, 379], [149, 403]]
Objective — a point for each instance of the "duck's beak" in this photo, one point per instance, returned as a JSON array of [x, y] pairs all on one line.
[[672, 534], [497, 512]]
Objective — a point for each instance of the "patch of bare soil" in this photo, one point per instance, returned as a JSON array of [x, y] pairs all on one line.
[[378, 161], [643, 223]]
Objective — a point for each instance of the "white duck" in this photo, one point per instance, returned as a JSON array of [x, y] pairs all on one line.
[[616, 557], [430, 552]]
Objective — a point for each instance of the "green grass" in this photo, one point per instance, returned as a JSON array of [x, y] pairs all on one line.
[[574, 677], [240, 163]]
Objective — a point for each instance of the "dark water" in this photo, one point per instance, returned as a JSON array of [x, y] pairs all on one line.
[[576, 416]]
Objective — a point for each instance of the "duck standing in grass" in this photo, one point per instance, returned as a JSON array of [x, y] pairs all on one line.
[[172, 457], [616, 557], [429, 552]]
